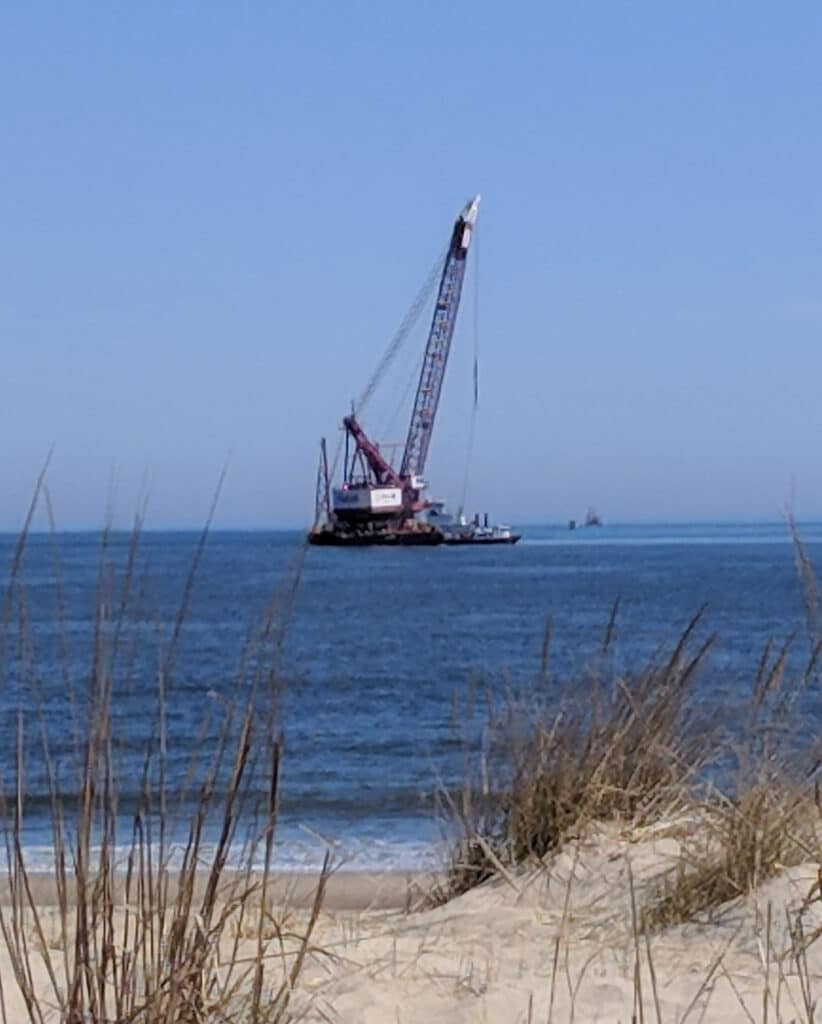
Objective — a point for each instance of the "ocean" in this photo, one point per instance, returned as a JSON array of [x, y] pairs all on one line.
[[380, 649]]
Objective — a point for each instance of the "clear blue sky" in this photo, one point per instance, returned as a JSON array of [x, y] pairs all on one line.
[[213, 216]]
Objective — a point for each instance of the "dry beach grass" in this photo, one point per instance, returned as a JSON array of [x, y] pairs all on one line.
[[142, 929]]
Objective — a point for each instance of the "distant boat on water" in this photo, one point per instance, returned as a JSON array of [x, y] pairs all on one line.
[[593, 518]]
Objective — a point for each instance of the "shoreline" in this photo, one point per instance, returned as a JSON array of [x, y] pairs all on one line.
[[347, 890]]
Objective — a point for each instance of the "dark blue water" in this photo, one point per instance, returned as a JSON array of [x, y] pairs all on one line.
[[379, 645]]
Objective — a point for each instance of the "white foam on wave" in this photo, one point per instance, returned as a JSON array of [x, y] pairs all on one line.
[[291, 854]]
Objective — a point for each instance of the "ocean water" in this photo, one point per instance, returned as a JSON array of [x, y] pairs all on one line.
[[381, 646]]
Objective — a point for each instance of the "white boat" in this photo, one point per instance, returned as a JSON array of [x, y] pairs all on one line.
[[459, 530]]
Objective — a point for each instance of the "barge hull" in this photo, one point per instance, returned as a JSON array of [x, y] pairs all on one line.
[[388, 538]]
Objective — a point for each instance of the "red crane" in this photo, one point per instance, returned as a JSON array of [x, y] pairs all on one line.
[[376, 503]]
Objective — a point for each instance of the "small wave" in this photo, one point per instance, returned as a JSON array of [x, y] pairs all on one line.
[[291, 855]]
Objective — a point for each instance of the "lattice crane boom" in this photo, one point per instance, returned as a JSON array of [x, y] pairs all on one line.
[[438, 347]]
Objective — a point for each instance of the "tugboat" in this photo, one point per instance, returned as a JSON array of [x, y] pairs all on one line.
[[463, 531], [474, 534]]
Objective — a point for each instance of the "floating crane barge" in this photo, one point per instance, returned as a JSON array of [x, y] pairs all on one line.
[[377, 503]]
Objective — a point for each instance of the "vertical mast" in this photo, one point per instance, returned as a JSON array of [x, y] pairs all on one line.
[[439, 345], [326, 483], [322, 499]]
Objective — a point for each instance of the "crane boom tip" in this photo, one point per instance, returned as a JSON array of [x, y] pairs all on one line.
[[469, 214]]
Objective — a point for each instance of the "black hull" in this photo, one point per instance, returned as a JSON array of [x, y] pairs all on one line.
[[388, 539]]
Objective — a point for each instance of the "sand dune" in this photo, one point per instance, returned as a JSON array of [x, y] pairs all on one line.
[[559, 945]]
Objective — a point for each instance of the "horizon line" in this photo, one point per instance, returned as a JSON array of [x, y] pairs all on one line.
[[6, 531]]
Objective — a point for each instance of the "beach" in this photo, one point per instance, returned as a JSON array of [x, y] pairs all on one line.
[[558, 942]]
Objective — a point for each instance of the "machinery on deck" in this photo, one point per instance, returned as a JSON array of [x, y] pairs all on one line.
[[377, 503]]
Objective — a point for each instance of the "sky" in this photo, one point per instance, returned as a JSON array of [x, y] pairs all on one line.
[[214, 216]]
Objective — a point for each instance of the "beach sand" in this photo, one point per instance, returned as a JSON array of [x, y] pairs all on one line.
[[555, 944], [560, 946]]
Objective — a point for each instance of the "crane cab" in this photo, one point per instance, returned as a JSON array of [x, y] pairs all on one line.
[[356, 502]]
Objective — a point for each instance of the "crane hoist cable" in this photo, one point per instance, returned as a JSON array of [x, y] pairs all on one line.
[[472, 428], [402, 332], [394, 346], [405, 397]]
